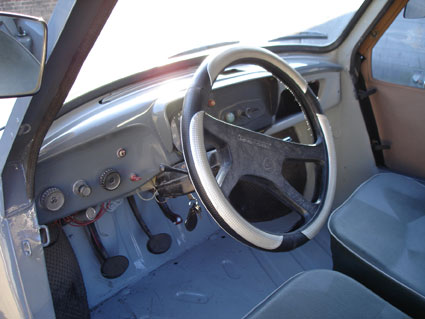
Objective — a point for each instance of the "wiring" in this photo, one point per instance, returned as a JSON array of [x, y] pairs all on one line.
[[76, 223], [147, 199]]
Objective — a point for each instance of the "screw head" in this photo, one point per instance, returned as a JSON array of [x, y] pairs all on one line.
[[121, 152]]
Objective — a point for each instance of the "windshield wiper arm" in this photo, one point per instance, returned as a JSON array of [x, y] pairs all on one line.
[[302, 36], [203, 48]]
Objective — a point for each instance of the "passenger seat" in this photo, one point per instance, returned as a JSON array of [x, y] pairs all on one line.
[[323, 294], [378, 238]]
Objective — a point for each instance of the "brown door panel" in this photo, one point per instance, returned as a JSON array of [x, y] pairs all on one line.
[[400, 116]]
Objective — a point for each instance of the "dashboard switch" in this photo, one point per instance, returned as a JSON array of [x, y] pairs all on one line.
[[81, 188], [135, 178], [52, 199], [110, 179]]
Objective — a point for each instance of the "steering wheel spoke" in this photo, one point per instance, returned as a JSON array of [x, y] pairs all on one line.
[[227, 180], [304, 152], [294, 199], [248, 153]]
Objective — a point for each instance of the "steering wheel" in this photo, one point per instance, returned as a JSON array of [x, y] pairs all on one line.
[[243, 152]]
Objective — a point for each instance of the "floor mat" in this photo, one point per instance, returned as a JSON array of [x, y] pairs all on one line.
[[220, 278], [65, 279]]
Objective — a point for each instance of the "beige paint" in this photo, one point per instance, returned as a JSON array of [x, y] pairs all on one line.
[[400, 116]]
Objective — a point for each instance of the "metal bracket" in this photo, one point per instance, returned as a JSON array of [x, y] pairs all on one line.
[[46, 243], [362, 94], [376, 146]]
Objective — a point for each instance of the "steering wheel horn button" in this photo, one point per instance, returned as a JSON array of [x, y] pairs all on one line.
[[52, 199], [268, 164], [110, 179]]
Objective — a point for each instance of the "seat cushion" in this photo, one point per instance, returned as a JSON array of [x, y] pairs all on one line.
[[323, 294], [378, 238]]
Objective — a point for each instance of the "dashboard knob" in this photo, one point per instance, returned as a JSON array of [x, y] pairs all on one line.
[[110, 179], [230, 117], [81, 188], [52, 199]]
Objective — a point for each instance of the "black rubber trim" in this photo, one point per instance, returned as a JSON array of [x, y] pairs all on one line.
[[197, 97], [358, 82], [369, 118]]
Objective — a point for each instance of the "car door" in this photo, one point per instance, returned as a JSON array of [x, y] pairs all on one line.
[[394, 75]]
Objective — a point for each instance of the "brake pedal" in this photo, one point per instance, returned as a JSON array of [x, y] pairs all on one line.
[[157, 244]]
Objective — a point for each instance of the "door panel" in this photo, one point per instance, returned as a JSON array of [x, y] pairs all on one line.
[[400, 116], [399, 102]]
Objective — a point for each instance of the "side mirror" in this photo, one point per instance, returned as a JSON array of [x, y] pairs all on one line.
[[23, 42], [414, 9]]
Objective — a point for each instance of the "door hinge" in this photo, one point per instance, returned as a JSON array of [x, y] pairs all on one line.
[[362, 94]]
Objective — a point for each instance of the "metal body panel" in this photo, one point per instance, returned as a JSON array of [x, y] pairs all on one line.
[[21, 251]]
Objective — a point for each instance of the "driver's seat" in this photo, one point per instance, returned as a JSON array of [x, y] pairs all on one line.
[[323, 294]]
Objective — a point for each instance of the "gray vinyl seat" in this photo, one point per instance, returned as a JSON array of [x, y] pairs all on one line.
[[323, 294], [378, 238]]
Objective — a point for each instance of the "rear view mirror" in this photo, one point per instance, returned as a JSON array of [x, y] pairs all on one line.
[[415, 9], [23, 42]]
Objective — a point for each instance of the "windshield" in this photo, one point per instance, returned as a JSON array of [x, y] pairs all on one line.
[[140, 35]]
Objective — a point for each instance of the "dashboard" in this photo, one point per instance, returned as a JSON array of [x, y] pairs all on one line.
[[114, 145]]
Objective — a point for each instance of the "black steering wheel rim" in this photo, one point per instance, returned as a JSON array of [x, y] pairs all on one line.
[[214, 199]]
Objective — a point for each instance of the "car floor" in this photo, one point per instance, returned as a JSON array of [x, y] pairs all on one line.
[[218, 278]]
